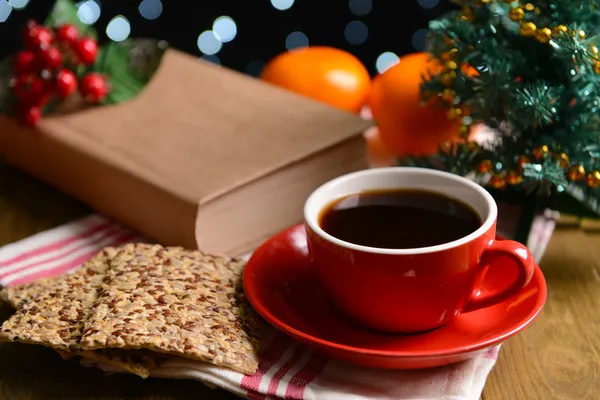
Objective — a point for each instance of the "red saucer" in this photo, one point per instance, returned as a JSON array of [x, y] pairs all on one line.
[[283, 287]]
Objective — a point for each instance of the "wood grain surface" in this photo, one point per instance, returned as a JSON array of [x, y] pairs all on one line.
[[557, 357]]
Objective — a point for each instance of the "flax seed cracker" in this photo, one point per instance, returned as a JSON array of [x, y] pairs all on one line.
[[178, 302], [52, 312]]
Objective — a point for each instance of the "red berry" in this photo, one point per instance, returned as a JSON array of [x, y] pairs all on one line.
[[50, 58], [66, 83], [31, 116], [31, 90], [94, 87], [86, 50], [20, 87], [38, 93], [68, 33], [38, 37], [25, 62]]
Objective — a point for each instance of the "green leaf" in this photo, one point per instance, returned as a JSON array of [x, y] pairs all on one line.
[[6, 96], [65, 11], [128, 66]]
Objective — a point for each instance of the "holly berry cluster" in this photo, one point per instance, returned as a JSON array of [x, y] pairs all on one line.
[[46, 69]]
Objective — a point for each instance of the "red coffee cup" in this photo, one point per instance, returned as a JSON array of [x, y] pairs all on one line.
[[411, 290]]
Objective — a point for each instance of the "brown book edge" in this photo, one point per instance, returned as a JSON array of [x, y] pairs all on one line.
[[173, 221], [95, 183]]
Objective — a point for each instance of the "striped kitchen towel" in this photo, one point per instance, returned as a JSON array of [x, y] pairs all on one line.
[[287, 368]]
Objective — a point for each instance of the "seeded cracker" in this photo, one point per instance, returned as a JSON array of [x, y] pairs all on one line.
[[178, 302], [52, 312]]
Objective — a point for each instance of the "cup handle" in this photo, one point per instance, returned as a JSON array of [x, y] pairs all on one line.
[[525, 264]]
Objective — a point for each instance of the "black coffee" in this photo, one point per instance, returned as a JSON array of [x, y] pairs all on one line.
[[398, 219]]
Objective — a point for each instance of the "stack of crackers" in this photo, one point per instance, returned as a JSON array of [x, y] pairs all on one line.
[[136, 306]]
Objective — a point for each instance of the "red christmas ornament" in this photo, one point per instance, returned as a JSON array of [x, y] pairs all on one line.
[[93, 87], [37, 37], [31, 116], [66, 83], [86, 50], [67, 34], [50, 58], [25, 62]]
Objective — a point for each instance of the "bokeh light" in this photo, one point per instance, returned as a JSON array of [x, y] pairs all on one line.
[[428, 3], [282, 5], [211, 58], [5, 10], [419, 39], [254, 67], [88, 12], [296, 40], [224, 29], [360, 7], [18, 4], [118, 29], [208, 43], [385, 61], [150, 9], [356, 32]]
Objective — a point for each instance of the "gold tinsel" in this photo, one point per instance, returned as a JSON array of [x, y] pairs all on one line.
[[451, 65], [447, 78], [516, 14], [514, 178], [497, 181], [543, 35], [593, 179], [563, 160], [559, 30], [576, 173], [455, 113], [449, 55], [597, 67], [540, 152], [485, 166], [449, 95], [527, 29]]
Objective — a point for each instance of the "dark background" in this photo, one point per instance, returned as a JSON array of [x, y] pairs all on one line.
[[393, 25]]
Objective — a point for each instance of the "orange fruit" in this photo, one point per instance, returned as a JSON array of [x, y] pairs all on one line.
[[405, 126], [326, 74]]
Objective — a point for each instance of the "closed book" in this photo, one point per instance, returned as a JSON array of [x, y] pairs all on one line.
[[204, 157]]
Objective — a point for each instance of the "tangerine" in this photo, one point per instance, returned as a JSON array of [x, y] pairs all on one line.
[[326, 74], [407, 127]]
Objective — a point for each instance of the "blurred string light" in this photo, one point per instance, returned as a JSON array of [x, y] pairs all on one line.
[[88, 11], [356, 32], [118, 29], [208, 43], [385, 61], [5, 10], [419, 39], [254, 68], [18, 4], [150, 9], [296, 40], [211, 58], [360, 7], [224, 29], [428, 3], [282, 5]]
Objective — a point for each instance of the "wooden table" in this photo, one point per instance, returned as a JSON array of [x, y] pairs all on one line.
[[558, 357]]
